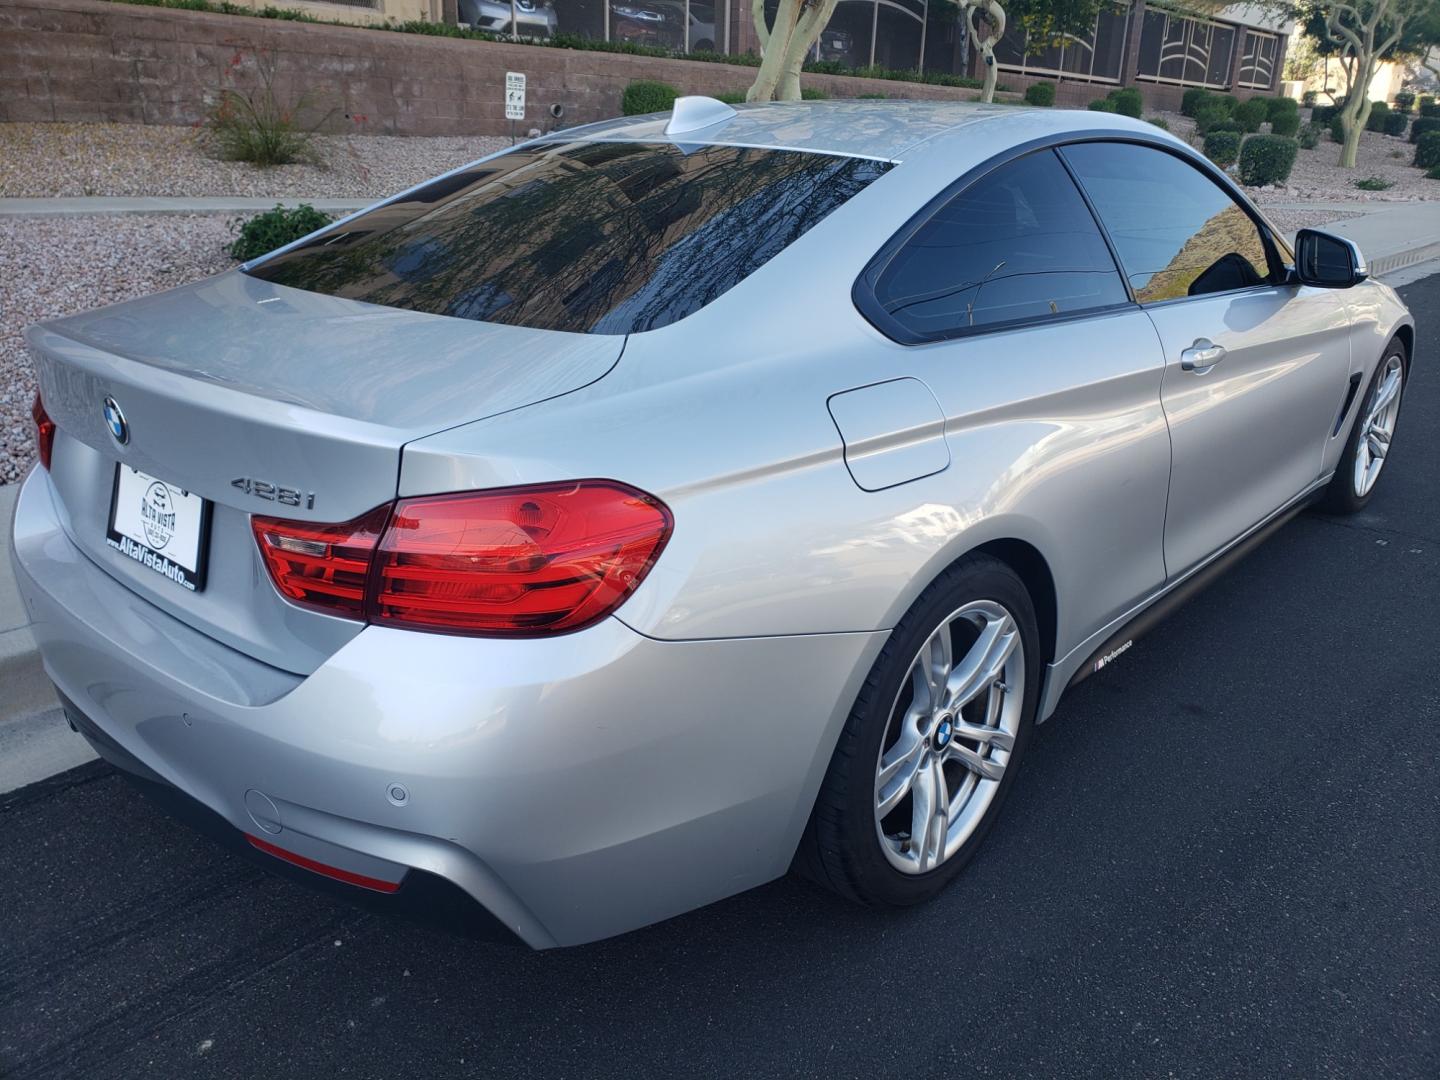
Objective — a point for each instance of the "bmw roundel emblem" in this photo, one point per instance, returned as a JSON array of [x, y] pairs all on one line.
[[943, 733], [115, 421]]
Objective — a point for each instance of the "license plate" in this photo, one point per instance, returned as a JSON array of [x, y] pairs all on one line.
[[160, 526]]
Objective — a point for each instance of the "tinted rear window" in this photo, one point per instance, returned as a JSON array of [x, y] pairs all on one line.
[[597, 237]]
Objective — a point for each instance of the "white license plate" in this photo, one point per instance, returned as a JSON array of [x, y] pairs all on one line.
[[160, 526]]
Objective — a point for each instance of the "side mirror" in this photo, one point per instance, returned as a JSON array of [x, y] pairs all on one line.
[[1328, 261]]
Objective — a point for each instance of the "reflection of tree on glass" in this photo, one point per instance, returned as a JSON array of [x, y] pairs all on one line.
[[601, 237]]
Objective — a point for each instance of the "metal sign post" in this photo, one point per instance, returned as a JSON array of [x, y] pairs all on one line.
[[514, 99]]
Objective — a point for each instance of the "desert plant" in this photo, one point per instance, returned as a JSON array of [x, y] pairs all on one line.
[[1276, 106], [1251, 113], [647, 96], [1396, 122], [1158, 121], [1374, 183], [1210, 113], [255, 125], [1128, 102], [1102, 105], [1404, 100], [1227, 101], [1040, 93], [1421, 124], [1308, 98], [1285, 123], [1227, 125], [1337, 129], [1427, 150], [1309, 136], [1428, 105], [267, 231], [1191, 101], [1376, 120], [1222, 147], [1266, 159], [871, 97], [735, 97], [1433, 174]]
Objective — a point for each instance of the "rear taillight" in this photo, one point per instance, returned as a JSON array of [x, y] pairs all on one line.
[[517, 561], [321, 566], [44, 432]]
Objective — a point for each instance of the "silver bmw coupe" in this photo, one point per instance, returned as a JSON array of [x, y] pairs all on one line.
[[612, 524]]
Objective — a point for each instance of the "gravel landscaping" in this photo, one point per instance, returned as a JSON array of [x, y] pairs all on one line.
[[1318, 175], [57, 160], [56, 266]]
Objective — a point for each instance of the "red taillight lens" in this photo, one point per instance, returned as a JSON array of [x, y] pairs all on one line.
[[321, 566], [518, 561], [44, 432]]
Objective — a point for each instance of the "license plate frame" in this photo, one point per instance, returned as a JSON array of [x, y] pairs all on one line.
[[160, 526]]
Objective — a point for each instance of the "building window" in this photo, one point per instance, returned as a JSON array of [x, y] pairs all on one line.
[[1189, 52], [1257, 62], [1094, 57]]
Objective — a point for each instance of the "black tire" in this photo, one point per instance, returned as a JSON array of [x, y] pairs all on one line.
[[1340, 496], [840, 848]]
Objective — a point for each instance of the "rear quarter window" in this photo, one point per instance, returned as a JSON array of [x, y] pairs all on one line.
[[593, 237]]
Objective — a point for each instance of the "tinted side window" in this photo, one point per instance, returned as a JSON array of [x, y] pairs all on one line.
[[1177, 232], [1019, 243]]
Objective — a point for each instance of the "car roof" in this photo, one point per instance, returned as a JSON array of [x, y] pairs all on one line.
[[875, 129]]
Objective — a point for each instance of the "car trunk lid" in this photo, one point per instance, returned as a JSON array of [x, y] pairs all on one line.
[[265, 399]]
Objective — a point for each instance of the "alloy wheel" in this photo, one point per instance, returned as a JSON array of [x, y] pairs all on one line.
[[951, 731], [1378, 426]]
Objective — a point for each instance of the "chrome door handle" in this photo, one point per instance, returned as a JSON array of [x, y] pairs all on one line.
[[1201, 356]]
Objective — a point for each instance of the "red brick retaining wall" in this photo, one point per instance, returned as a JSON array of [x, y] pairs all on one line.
[[89, 60]]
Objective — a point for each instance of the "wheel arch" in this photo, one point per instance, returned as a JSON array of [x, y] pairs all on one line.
[[1034, 571]]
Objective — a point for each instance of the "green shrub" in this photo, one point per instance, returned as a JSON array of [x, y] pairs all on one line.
[[1337, 129], [1323, 114], [1102, 105], [265, 232], [1310, 136], [1227, 125], [1222, 147], [646, 96], [1433, 174], [1285, 123], [1040, 93], [1421, 124], [813, 93], [1376, 120], [1267, 159], [1308, 98], [1209, 114], [1228, 101], [1251, 113], [736, 97], [1191, 101], [1277, 106], [1374, 183], [1128, 102], [1427, 150], [1404, 101], [872, 97], [1396, 122], [1428, 106], [1158, 121]]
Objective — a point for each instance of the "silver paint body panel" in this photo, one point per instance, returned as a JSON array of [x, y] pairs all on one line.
[[820, 475]]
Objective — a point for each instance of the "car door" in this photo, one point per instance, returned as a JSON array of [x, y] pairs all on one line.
[[1006, 303], [1256, 370]]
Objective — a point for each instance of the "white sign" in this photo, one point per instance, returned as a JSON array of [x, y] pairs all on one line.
[[514, 95]]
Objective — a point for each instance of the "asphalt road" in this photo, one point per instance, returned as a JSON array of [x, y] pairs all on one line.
[[1222, 859]]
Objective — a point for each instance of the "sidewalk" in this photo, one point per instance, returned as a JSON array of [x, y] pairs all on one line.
[[157, 204]]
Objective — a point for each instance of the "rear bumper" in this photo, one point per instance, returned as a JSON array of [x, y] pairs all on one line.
[[576, 787]]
